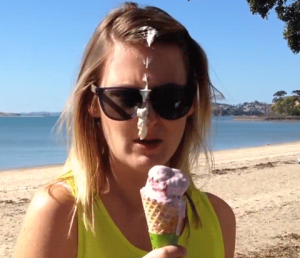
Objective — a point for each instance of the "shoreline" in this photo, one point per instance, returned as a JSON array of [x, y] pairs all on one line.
[[266, 118], [261, 184], [31, 167], [257, 146], [212, 151]]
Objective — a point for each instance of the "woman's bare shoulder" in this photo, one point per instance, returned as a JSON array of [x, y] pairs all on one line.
[[45, 229], [227, 222]]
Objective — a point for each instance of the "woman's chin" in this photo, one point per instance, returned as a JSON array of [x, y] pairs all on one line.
[[146, 163]]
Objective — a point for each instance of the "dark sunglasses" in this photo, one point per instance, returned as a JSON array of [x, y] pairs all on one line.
[[169, 101]]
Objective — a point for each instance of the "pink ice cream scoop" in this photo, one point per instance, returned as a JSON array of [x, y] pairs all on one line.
[[166, 186]]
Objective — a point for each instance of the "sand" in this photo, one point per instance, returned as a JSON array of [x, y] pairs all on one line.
[[261, 184]]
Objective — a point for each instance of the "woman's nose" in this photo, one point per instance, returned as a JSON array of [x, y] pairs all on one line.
[[152, 115]]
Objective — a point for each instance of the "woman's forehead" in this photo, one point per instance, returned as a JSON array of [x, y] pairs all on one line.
[[143, 50], [128, 64]]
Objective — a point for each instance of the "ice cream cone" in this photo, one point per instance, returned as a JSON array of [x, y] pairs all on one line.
[[162, 220], [164, 204]]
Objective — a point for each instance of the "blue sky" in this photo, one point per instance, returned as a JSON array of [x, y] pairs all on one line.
[[41, 44]]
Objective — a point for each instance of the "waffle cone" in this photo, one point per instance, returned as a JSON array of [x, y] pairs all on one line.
[[161, 218]]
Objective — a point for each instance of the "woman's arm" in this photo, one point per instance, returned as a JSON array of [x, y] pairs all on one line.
[[227, 221], [45, 229]]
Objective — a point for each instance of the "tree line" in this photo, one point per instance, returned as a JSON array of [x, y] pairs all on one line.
[[289, 106]]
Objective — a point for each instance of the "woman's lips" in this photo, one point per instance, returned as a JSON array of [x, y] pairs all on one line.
[[148, 144]]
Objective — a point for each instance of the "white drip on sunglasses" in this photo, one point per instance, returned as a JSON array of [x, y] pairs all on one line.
[[148, 33], [142, 112]]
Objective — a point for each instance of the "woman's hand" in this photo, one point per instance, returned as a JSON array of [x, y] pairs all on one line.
[[170, 251]]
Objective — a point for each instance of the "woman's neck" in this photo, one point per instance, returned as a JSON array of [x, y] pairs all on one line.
[[125, 182]]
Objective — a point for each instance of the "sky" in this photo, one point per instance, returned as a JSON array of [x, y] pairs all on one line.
[[41, 45]]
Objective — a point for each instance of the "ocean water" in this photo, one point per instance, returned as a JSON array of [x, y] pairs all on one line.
[[230, 134], [31, 141]]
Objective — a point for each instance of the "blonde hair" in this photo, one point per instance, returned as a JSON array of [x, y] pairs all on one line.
[[88, 157]]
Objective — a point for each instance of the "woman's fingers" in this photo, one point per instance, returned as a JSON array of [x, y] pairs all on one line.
[[170, 251], [174, 251]]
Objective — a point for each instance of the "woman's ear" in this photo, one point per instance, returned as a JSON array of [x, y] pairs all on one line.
[[94, 108]]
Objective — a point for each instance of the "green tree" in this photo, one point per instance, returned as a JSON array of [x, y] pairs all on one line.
[[288, 13], [279, 93], [278, 96], [289, 106], [297, 92]]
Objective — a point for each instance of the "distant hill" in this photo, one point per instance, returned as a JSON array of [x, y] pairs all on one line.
[[32, 114]]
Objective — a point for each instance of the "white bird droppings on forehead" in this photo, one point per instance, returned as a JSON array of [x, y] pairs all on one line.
[[147, 61], [148, 33]]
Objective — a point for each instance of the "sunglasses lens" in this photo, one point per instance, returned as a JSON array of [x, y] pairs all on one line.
[[120, 104], [172, 101]]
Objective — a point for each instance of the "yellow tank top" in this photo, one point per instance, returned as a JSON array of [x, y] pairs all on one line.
[[109, 242]]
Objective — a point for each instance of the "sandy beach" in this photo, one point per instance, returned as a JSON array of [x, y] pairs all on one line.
[[261, 184]]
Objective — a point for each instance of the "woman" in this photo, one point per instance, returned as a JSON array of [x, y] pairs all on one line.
[[142, 99]]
